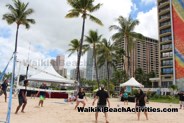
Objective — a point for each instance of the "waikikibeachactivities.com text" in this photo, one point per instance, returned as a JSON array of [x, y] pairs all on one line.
[[128, 109]]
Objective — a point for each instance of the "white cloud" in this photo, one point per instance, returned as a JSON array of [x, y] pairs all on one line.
[[148, 23], [146, 2]]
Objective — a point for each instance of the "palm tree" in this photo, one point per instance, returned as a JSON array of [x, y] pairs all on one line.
[[75, 46], [120, 76], [93, 39], [107, 55], [18, 14], [83, 8], [140, 75], [125, 32]]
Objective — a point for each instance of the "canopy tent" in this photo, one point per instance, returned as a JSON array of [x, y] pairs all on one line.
[[50, 75], [131, 82]]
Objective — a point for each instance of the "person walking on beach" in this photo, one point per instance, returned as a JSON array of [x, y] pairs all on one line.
[[103, 98], [140, 102], [22, 98], [80, 98], [181, 98], [42, 94], [4, 86]]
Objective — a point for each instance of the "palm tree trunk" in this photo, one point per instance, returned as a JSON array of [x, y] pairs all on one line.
[[108, 78], [80, 52], [16, 38], [95, 62]]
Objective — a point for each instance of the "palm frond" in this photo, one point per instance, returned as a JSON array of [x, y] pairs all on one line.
[[95, 8], [94, 19], [72, 14]]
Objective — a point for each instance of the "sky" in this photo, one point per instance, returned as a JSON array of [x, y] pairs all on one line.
[[52, 33]]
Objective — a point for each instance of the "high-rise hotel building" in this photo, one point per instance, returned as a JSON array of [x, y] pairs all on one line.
[[144, 55], [171, 42]]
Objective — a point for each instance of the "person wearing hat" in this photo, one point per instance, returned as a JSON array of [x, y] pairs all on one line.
[[4, 86], [103, 98]]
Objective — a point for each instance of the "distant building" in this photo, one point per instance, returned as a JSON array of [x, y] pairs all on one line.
[[73, 73], [90, 69], [58, 65], [90, 73], [144, 55]]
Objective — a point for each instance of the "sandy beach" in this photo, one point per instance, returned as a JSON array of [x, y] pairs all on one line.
[[56, 111]]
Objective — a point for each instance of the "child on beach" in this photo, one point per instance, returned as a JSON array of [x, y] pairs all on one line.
[[22, 98], [42, 94]]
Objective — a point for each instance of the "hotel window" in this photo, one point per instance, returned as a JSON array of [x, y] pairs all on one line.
[[167, 70], [167, 63], [166, 46], [166, 38], [165, 23], [165, 16], [165, 31], [167, 54]]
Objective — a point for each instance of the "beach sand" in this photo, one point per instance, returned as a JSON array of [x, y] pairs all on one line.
[[56, 111]]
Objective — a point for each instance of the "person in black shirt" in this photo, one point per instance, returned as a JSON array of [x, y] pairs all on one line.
[[80, 98], [103, 98], [181, 98], [140, 103], [4, 88], [42, 94], [22, 98]]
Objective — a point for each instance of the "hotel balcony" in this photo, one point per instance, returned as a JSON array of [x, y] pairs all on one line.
[[166, 50], [165, 26], [164, 19], [165, 34], [163, 4], [166, 58], [164, 11], [165, 42]]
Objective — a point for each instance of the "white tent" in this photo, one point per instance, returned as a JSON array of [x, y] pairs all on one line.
[[131, 82], [50, 75]]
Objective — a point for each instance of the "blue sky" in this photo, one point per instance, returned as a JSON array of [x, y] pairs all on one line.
[[142, 7], [5, 32]]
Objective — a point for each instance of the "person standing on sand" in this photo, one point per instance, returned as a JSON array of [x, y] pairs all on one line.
[[42, 94], [141, 101], [103, 98], [125, 97], [80, 98], [4, 88], [181, 98], [22, 98]]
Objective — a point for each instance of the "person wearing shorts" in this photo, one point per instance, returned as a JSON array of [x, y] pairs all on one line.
[[80, 98], [141, 103], [103, 98], [42, 94], [22, 98]]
